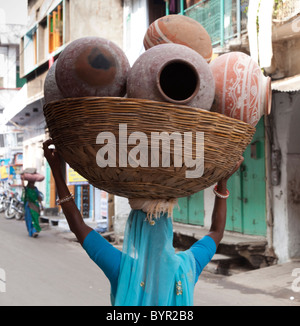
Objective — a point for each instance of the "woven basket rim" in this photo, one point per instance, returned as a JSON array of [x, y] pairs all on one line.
[[226, 139], [158, 104]]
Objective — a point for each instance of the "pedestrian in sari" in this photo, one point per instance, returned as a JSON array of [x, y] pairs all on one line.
[[148, 271], [32, 199]]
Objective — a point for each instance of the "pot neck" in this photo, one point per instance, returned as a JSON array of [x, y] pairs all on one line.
[[178, 81]]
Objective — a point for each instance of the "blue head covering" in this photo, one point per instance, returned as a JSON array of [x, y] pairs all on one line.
[[151, 273]]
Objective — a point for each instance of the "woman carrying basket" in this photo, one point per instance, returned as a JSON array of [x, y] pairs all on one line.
[[32, 198], [147, 272]]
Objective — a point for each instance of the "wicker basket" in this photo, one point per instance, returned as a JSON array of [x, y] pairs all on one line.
[[75, 123]]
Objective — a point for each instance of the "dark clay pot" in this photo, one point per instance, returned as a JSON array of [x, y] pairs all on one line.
[[51, 91], [172, 73], [92, 66]]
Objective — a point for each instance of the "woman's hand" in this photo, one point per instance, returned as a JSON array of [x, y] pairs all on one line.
[[219, 212], [52, 156], [72, 214]]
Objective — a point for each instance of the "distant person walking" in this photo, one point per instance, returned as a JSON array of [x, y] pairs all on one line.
[[32, 198]]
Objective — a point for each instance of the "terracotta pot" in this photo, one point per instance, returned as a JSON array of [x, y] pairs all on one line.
[[33, 177], [51, 91], [172, 73], [242, 91], [181, 30], [92, 66]]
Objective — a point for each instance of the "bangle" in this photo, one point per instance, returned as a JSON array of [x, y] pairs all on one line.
[[221, 195], [65, 199]]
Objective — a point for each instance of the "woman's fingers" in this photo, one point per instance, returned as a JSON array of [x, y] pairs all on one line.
[[47, 143]]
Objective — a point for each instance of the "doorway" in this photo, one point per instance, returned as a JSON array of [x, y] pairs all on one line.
[[246, 205]]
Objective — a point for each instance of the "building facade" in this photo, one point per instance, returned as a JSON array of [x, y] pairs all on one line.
[[264, 199], [11, 136], [51, 26]]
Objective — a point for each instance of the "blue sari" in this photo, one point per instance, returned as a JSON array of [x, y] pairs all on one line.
[[32, 210], [148, 272], [151, 273]]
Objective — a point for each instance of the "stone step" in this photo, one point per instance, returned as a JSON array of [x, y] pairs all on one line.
[[227, 265], [253, 249]]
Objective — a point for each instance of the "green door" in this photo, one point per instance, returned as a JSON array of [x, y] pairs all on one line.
[[47, 182], [234, 221], [254, 185], [246, 205], [190, 210]]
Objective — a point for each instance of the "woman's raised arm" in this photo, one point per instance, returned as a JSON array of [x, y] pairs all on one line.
[[218, 219], [72, 214]]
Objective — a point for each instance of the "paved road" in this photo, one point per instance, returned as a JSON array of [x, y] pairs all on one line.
[[48, 270], [52, 270]]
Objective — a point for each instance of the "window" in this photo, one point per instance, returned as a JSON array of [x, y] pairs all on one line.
[[42, 41], [45, 39], [30, 49], [55, 27], [2, 140], [19, 81], [19, 139], [2, 64]]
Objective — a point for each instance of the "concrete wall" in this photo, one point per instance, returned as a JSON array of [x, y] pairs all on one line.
[[8, 59], [283, 65], [286, 196], [136, 22], [35, 87], [293, 181], [33, 154], [97, 18]]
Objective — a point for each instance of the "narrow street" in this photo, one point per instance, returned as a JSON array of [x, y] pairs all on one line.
[[48, 270], [53, 270]]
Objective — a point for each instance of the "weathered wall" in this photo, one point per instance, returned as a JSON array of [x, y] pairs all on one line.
[[293, 181], [286, 203], [285, 66], [97, 18]]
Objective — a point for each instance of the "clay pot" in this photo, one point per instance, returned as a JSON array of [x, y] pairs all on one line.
[[92, 66], [242, 91], [33, 177], [179, 29], [172, 73], [51, 91]]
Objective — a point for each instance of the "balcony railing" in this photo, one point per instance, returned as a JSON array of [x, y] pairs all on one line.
[[222, 19]]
